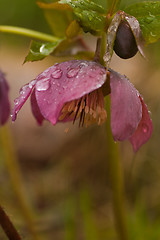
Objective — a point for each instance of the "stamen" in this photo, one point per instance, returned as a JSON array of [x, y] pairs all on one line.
[[88, 109]]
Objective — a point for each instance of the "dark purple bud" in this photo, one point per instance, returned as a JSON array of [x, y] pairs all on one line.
[[125, 44], [4, 100]]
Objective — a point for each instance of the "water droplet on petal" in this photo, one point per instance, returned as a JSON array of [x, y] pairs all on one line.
[[138, 94], [145, 128], [23, 89], [43, 84], [56, 74], [32, 83], [73, 72], [16, 101]]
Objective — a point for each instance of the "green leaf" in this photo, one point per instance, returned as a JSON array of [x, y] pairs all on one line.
[[148, 15], [39, 50], [89, 15], [90, 20], [84, 5]]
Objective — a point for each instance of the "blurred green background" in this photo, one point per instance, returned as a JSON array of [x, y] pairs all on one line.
[[66, 176]]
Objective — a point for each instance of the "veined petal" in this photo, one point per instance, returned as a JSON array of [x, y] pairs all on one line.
[[4, 100], [65, 82], [126, 107], [35, 109], [144, 129], [24, 92]]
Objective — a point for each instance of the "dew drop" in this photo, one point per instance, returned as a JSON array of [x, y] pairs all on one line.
[[145, 128], [42, 48], [32, 83], [56, 74], [16, 101], [107, 57], [138, 94], [23, 89], [73, 72], [153, 34], [43, 85]]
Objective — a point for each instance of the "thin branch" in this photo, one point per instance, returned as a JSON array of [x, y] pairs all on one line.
[[8, 226], [15, 174]]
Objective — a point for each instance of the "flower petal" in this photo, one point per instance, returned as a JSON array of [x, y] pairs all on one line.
[[35, 109], [4, 100], [24, 92], [144, 129], [65, 82], [126, 108]]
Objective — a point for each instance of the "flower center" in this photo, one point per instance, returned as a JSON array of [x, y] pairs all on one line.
[[88, 109]]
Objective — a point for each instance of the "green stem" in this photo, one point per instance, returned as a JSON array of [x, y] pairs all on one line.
[[14, 172], [103, 48], [113, 5], [116, 178], [28, 33]]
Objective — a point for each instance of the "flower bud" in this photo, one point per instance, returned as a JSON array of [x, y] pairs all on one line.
[[125, 44]]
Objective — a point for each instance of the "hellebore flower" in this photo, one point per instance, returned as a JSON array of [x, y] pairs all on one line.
[[4, 100], [75, 90]]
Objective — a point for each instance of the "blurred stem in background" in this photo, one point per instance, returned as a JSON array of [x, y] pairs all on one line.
[[8, 227], [16, 178], [113, 6], [28, 33], [116, 178]]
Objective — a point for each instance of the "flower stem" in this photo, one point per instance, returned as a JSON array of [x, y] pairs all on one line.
[[113, 5], [116, 178], [28, 33], [7, 226], [98, 50], [14, 172]]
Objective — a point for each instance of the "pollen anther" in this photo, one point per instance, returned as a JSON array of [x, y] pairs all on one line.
[[88, 109]]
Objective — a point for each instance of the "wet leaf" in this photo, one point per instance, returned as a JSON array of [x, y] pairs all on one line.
[[90, 20], [89, 15], [84, 5], [148, 15], [39, 50]]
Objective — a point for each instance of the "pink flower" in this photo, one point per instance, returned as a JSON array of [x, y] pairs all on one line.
[[129, 114], [75, 90], [4, 101]]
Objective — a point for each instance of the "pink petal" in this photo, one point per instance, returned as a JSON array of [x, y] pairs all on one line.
[[4, 100], [35, 109], [126, 108], [64, 82], [144, 129], [24, 92]]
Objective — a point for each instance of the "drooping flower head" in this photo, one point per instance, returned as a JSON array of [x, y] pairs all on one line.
[[75, 90], [4, 100]]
